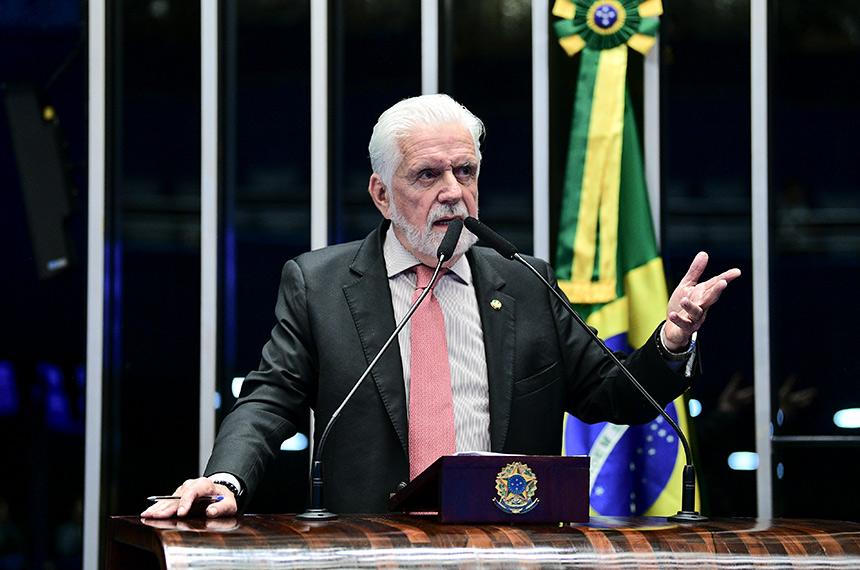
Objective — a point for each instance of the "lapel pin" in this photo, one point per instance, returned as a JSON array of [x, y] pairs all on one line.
[[496, 304]]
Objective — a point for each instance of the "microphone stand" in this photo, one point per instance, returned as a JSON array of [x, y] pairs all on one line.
[[688, 513], [316, 511]]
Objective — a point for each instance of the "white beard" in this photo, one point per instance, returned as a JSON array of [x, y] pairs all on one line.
[[426, 241]]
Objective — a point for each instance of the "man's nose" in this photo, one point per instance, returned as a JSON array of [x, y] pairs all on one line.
[[450, 190]]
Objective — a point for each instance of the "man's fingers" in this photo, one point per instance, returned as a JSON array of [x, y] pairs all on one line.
[[730, 275], [188, 493], [700, 262], [223, 508], [161, 510], [722, 279], [683, 323], [192, 490], [710, 292], [697, 268], [695, 312], [184, 506]]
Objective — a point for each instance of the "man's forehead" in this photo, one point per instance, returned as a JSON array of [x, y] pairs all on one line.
[[438, 148]]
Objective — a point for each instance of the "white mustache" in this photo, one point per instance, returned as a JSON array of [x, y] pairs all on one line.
[[447, 211]]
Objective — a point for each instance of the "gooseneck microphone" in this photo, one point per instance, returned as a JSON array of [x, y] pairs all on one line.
[[316, 511], [688, 513]]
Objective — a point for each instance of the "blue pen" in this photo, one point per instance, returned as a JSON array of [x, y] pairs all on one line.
[[202, 498]]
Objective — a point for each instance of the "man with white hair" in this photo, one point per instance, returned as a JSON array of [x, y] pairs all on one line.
[[516, 360]]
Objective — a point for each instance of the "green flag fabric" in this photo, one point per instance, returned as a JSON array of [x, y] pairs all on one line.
[[607, 260]]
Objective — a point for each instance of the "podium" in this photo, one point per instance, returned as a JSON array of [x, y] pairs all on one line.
[[404, 541], [488, 511], [497, 488]]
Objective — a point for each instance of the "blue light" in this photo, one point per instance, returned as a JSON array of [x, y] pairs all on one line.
[[237, 386], [296, 443], [848, 418], [743, 461], [8, 389], [51, 390], [695, 407]]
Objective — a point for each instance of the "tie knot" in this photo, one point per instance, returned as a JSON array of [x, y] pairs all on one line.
[[425, 274]]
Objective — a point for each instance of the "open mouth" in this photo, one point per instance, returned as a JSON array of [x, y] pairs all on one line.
[[443, 222]]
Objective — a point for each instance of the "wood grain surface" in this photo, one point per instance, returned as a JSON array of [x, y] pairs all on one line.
[[403, 541]]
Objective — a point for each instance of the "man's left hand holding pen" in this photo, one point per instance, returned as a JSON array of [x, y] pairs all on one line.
[[219, 499]]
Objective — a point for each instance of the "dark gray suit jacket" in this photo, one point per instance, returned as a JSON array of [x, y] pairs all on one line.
[[334, 314]]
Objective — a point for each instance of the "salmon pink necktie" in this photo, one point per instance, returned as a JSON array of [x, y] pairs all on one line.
[[431, 406]]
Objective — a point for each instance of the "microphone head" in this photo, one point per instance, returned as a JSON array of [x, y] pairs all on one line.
[[449, 242], [494, 240]]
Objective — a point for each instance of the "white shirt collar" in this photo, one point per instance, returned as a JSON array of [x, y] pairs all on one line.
[[398, 259]]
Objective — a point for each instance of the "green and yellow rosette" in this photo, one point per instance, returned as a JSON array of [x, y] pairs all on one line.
[[601, 30], [606, 24]]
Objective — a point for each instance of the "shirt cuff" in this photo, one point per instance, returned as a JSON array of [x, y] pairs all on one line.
[[678, 361]]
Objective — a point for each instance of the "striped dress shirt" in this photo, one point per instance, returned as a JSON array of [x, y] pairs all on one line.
[[463, 333]]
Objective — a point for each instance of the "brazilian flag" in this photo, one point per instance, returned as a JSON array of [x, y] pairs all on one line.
[[607, 260]]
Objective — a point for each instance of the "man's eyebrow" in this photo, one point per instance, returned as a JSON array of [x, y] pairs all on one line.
[[419, 168], [426, 164], [437, 164]]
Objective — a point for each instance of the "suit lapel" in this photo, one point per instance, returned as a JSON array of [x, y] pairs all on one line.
[[497, 311], [369, 300]]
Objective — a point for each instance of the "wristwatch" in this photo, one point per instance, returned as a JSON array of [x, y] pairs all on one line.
[[233, 489], [668, 354]]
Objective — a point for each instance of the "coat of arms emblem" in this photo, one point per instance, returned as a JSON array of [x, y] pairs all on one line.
[[516, 486]]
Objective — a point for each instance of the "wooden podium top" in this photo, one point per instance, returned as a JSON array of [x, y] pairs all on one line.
[[403, 541]]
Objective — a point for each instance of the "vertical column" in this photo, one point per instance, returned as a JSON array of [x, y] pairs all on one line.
[[652, 133], [209, 141], [429, 47], [760, 253], [319, 125], [319, 143], [95, 280], [540, 128]]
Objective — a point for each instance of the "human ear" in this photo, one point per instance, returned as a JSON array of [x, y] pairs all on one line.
[[378, 194]]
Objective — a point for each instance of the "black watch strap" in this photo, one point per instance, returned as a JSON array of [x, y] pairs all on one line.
[[233, 489]]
